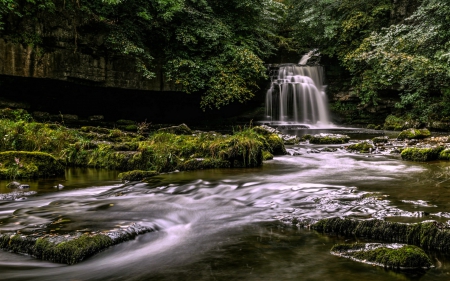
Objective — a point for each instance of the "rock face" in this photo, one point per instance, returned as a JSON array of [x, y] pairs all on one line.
[[65, 64]]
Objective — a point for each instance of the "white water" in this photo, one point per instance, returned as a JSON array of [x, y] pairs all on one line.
[[298, 96]]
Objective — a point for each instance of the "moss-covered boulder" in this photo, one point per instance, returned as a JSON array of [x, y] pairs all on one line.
[[414, 134], [69, 248], [25, 164], [421, 154], [137, 175], [181, 129], [328, 139], [390, 256], [267, 155], [444, 154], [362, 147]]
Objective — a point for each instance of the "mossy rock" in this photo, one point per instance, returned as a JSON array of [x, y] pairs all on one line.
[[421, 154], [371, 126], [384, 139], [25, 164], [267, 155], [407, 256], [329, 139], [427, 235], [362, 147], [137, 175], [181, 129], [414, 134], [201, 164]]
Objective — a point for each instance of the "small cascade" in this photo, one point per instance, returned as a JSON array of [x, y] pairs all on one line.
[[297, 95]]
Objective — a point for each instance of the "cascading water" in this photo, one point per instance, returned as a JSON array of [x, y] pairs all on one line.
[[297, 95]]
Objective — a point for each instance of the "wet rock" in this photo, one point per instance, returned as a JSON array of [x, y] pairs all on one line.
[[203, 163], [387, 255], [58, 186], [24, 186], [414, 134], [421, 154], [313, 151], [328, 139], [181, 129], [71, 248], [13, 184]]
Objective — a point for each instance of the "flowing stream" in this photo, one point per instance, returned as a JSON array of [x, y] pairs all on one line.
[[226, 224]]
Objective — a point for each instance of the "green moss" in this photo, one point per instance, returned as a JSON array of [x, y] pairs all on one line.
[[421, 154], [414, 134], [98, 130], [137, 175], [125, 122], [371, 126], [267, 155], [24, 164], [306, 137], [363, 147], [405, 257], [329, 139]]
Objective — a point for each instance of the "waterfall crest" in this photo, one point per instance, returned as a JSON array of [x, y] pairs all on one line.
[[297, 95]]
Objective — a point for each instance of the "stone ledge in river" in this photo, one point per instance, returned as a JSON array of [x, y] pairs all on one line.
[[396, 256], [137, 175], [25, 164], [68, 249], [327, 138], [414, 134], [422, 154]]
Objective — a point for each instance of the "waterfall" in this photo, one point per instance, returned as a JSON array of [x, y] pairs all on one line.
[[297, 95]]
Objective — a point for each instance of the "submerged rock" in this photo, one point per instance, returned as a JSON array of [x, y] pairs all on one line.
[[388, 255]]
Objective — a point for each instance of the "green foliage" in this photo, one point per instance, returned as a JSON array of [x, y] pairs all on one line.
[[24, 164]]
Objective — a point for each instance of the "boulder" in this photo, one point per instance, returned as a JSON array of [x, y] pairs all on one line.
[[328, 139]]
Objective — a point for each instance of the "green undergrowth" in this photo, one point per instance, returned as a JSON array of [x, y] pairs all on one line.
[[427, 235], [161, 151], [423, 154]]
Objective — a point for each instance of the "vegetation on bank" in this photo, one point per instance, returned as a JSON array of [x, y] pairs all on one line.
[[31, 149]]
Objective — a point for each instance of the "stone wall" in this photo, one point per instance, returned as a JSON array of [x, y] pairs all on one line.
[[69, 65]]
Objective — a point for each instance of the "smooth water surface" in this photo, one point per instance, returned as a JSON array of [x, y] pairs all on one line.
[[225, 224]]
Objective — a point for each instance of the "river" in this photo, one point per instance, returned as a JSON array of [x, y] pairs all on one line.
[[225, 224]]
